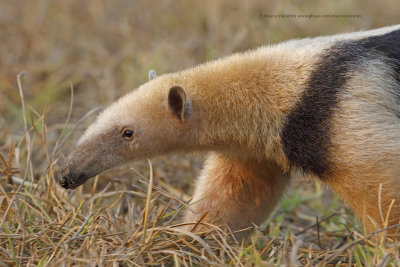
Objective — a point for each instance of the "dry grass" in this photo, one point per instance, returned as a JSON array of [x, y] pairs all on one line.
[[80, 55]]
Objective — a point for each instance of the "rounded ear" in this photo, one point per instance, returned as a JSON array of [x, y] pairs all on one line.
[[178, 103], [152, 74]]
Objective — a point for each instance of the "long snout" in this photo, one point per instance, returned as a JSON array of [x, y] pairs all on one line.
[[70, 178], [76, 171], [88, 160], [83, 163]]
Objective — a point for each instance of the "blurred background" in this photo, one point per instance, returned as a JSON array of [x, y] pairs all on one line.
[[104, 49]]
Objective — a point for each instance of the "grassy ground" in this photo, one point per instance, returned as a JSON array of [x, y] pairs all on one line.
[[79, 55]]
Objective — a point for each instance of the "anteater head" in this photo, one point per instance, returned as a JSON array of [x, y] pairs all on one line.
[[152, 120]]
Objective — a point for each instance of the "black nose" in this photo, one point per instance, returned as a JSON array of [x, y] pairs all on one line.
[[69, 182], [67, 177], [63, 181], [71, 179]]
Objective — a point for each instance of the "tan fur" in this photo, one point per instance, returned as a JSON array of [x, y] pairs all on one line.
[[236, 191], [367, 152], [237, 108]]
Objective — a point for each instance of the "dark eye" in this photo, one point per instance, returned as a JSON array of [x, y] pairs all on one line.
[[128, 134]]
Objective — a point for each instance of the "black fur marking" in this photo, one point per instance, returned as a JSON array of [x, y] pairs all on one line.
[[306, 135], [388, 47]]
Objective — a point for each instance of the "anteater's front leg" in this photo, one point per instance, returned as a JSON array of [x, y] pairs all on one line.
[[236, 193]]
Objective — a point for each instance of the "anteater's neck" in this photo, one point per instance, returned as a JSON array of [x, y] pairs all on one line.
[[242, 101]]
